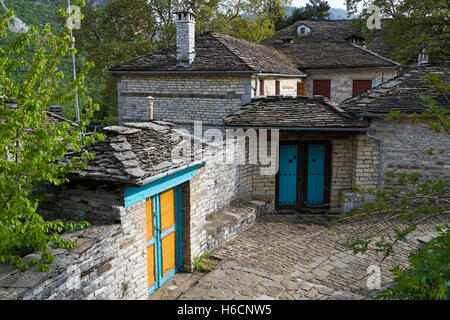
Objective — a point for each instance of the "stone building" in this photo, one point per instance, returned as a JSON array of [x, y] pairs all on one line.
[[334, 55], [207, 77]]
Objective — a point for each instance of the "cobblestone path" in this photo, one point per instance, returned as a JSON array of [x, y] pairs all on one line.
[[296, 257]]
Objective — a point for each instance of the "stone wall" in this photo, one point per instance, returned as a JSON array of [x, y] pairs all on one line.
[[109, 263], [342, 80], [215, 185], [183, 98], [405, 149]]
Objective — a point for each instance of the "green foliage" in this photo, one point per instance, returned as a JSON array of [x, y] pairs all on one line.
[[415, 25], [30, 146], [314, 10], [203, 263], [428, 277]]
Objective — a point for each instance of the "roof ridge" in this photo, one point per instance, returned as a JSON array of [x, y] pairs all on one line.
[[218, 35], [374, 54]]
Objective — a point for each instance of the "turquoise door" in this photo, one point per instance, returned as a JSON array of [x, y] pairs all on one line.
[[316, 174], [287, 190]]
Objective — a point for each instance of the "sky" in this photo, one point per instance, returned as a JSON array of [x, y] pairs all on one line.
[[333, 3]]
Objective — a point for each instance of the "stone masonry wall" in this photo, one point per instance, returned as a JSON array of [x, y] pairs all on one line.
[[183, 98], [342, 80], [405, 149], [109, 263]]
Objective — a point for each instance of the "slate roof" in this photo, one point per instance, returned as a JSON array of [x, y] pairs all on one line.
[[312, 53], [332, 30], [401, 93], [134, 152], [216, 52], [293, 112]]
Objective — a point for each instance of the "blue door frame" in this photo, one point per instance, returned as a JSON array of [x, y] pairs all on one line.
[[160, 278], [133, 195]]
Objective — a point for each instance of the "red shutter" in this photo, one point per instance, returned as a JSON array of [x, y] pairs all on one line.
[[261, 87], [322, 88], [277, 88], [360, 86]]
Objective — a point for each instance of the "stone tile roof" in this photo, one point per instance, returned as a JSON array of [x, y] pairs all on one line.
[[401, 93], [308, 52], [293, 112], [136, 151], [332, 30], [216, 52]]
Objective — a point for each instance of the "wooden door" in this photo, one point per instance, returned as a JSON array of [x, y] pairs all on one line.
[[316, 174], [322, 88], [300, 89], [287, 176], [360, 86], [164, 241]]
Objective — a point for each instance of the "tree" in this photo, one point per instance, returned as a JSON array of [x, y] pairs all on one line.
[[410, 27], [414, 199], [314, 10], [30, 146]]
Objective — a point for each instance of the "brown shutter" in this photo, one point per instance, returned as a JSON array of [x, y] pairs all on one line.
[[277, 88], [300, 89], [261, 87], [322, 88], [360, 86]]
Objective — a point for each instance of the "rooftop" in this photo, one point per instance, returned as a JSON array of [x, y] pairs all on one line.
[[401, 93], [136, 151], [215, 52], [293, 112]]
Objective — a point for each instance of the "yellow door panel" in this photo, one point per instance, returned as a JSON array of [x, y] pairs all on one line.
[[168, 252], [167, 208], [151, 270]]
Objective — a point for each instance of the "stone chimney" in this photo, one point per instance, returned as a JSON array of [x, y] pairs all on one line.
[[185, 21], [58, 110], [423, 58]]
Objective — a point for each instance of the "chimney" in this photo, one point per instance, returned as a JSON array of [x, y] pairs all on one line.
[[185, 21], [58, 110], [423, 58]]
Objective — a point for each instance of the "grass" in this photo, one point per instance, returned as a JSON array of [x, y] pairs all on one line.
[[203, 263]]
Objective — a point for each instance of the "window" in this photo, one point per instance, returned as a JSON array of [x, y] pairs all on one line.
[[322, 88], [302, 30], [261, 87], [360, 86], [277, 88]]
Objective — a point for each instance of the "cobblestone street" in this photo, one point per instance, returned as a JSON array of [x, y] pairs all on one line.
[[292, 257]]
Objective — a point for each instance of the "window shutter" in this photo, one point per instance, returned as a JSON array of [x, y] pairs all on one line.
[[277, 88], [261, 87], [300, 89]]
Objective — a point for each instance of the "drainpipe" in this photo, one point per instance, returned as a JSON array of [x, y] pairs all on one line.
[[380, 170]]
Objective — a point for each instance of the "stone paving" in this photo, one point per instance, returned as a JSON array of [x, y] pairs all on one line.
[[293, 257]]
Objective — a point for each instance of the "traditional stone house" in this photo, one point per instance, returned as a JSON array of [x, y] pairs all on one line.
[[323, 151], [153, 212], [335, 57], [404, 145], [326, 150], [207, 77], [219, 74]]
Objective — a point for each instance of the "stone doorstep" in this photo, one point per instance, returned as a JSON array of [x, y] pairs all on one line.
[[226, 222]]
